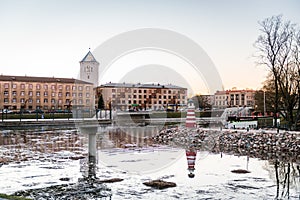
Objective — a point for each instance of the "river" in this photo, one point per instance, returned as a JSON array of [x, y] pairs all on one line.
[[44, 157]]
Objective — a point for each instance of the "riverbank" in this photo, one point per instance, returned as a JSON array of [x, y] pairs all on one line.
[[263, 144]]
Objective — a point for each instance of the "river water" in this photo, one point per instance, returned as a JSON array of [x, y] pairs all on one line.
[[42, 157]]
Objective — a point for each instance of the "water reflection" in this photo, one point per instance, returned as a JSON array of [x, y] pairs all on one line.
[[135, 148]]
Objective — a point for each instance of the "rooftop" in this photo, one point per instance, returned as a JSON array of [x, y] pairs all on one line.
[[140, 85], [40, 79]]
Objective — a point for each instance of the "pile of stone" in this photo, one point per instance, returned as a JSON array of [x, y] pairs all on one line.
[[184, 137], [280, 142], [80, 190], [255, 143]]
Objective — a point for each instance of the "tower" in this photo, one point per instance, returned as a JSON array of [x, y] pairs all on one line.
[[89, 69], [190, 117]]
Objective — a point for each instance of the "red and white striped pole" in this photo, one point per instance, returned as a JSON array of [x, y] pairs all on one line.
[[190, 116]]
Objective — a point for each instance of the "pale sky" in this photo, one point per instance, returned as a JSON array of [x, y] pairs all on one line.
[[49, 38]]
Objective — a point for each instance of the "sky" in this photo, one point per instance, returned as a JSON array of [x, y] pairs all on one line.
[[49, 38]]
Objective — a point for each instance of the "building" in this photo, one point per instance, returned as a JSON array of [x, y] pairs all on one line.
[[234, 98], [89, 69], [46, 93], [124, 96]]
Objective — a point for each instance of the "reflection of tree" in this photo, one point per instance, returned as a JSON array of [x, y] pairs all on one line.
[[286, 177]]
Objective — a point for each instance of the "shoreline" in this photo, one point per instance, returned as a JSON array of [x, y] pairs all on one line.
[[264, 144]]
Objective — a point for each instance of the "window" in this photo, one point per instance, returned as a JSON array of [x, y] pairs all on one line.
[[38, 86], [14, 93], [53, 87], [22, 100], [129, 96], [67, 87], [38, 101], [22, 86], [74, 88], [113, 90], [6, 93], [30, 93], [59, 101], [74, 101], [87, 95], [45, 94], [140, 91], [30, 86], [5, 100], [80, 88], [46, 87], [14, 86], [53, 94], [22, 93], [80, 94], [67, 94], [88, 88], [45, 100], [53, 101], [60, 87], [59, 94], [30, 100], [38, 94], [87, 102], [80, 101], [74, 94]]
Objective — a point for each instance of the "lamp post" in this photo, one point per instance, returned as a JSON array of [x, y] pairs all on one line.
[[69, 108], [264, 102]]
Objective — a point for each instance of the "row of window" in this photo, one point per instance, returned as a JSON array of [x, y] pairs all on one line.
[[53, 101], [232, 97], [53, 87], [53, 94], [220, 103], [147, 96], [147, 91], [140, 102]]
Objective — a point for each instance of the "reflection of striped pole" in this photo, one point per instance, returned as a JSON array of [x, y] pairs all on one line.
[[190, 116], [191, 159]]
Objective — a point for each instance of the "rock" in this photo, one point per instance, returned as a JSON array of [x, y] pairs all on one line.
[[240, 171], [160, 184], [112, 180], [64, 179]]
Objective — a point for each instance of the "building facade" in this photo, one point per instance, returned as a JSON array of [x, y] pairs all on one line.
[[234, 98], [124, 96], [46, 93]]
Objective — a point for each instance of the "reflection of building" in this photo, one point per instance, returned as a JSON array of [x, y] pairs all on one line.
[[232, 98], [143, 96], [27, 92]]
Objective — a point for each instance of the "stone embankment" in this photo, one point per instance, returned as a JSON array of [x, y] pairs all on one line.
[[255, 143]]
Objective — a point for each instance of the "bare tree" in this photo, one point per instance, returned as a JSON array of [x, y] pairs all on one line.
[[276, 48]]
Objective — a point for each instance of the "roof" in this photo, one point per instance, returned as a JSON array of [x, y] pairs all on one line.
[[41, 79], [89, 58], [140, 85]]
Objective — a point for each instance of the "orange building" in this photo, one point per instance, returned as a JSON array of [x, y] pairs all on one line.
[[46, 93]]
